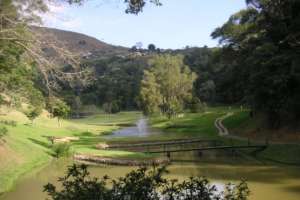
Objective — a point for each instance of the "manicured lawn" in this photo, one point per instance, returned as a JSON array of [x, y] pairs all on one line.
[[123, 118], [200, 125], [238, 119]]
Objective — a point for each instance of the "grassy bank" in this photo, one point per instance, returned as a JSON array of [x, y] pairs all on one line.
[[26, 145], [201, 125], [281, 150]]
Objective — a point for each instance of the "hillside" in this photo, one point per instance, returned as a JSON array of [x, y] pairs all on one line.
[[79, 44]]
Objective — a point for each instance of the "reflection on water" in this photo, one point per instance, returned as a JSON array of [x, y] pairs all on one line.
[[266, 182]]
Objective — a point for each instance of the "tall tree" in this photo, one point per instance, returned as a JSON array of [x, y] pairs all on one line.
[[150, 95], [170, 81], [263, 41]]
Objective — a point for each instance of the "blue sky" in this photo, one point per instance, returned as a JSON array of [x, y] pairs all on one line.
[[176, 24]]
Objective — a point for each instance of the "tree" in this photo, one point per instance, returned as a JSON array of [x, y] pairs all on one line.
[[169, 81], [133, 49], [150, 97], [195, 105], [111, 107], [33, 113], [263, 41], [58, 109], [133, 6], [77, 106], [140, 184], [151, 47]]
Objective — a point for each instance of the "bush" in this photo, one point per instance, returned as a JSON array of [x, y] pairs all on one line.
[[196, 105], [3, 132], [86, 133], [2, 101], [61, 150], [33, 113], [111, 107], [140, 184], [9, 123]]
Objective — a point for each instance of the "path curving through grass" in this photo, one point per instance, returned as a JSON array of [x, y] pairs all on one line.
[[222, 130]]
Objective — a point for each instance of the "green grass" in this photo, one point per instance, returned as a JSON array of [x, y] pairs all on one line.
[[26, 146], [240, 123], [113, 153], [202, 125], [282, 154], [191, 125], [238, 119], [120, 119]]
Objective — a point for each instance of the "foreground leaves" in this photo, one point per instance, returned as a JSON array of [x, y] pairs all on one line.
[[140, 184]]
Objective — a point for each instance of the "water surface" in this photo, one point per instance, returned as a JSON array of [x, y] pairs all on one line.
[[141, 129], [265, 181]]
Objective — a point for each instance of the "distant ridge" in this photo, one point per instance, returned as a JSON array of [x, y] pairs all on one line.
[[81, 44]]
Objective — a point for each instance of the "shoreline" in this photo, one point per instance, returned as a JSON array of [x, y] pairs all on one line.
[[94, 159]]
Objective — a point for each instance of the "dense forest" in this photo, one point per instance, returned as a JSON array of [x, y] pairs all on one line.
[[228, 112], [257, 65]]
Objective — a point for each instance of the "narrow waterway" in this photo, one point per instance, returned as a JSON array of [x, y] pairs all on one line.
[[265, 181]]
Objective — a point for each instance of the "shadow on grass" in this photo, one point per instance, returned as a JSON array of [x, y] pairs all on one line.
[[48, 146], [41, 143], [88, 140]]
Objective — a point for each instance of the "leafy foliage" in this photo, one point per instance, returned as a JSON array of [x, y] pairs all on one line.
[[166, 86], [140, 184], [3, 131], [58, 108], [111, 107], [116, 80], [61, 149], [195, 105], [262, 45], [33, 113]]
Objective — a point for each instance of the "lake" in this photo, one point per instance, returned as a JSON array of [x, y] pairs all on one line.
[[265, 181]]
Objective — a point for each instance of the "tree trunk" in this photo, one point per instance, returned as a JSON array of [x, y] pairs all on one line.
[[59, 123]]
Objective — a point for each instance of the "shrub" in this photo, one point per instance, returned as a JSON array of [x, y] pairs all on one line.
[[196, 105], [111, 107], [86, 133], [61, 150], [140, 184], [9, 123], [3, 132], [33, 113]]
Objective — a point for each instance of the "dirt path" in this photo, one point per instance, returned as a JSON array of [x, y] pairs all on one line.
[[222, 130]]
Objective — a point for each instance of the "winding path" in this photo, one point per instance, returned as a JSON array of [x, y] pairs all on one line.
[[222, 130]]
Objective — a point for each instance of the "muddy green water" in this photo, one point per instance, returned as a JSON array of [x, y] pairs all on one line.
[[266, 182]]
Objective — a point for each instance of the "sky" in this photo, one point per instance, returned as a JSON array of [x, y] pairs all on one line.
[[176, 24]]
